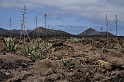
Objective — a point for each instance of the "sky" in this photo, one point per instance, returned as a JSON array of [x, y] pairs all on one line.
[[72, 16]]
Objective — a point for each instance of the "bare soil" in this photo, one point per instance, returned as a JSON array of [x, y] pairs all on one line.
[[87, 62]]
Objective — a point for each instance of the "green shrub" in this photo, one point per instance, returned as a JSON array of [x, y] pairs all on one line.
[[28, 49], [121, 47], [1, 37], [45, 46], [65, 62], [49, 46], [37, 40], [36, 55], [75, 39], [32, 51], [103, 49], [10, 43]]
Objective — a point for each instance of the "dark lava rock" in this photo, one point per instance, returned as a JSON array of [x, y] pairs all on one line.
[[3, 77]]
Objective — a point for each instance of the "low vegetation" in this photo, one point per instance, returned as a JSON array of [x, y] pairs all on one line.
[[74, 59], [10, 43], [65, 62], [73, 39]]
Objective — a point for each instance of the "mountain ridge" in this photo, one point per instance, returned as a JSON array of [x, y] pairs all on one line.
[[50, 32], [92, 32]]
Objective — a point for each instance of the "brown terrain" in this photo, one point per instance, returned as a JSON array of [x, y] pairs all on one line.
[[91, 59], [69, 59]]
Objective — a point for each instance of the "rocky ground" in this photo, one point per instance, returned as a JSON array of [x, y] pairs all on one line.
[[90, 60]]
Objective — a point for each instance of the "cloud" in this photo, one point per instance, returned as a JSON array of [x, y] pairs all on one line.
[[92, 9], [88, 10], [73, 29], [59, 18]]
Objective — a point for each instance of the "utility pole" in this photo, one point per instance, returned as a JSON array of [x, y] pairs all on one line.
[[116, 22], [48, 26], [101, 31], [10, 20], [23, 30], [107, 28], [36, 22], [110, 29], [45, 17], [107, 25], [36, 19]]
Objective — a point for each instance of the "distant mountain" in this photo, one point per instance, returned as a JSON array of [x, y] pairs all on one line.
[[40, 31], [89, 32], [18, 32], [4, 31], [105, 34], [13, 32], [92, 32]]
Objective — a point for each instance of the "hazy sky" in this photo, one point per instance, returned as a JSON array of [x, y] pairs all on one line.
[[73, 16]]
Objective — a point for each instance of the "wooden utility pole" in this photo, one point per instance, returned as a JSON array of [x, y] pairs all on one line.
[[10, 20]]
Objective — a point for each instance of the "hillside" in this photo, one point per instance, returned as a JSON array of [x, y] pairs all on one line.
[[40, 31], [92, 32], [18, 32], [87, 59], [13, 32], [4, 31]]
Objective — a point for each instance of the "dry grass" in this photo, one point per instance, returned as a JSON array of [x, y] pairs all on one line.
[[116, 60], [87, 63], [44, 66]]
